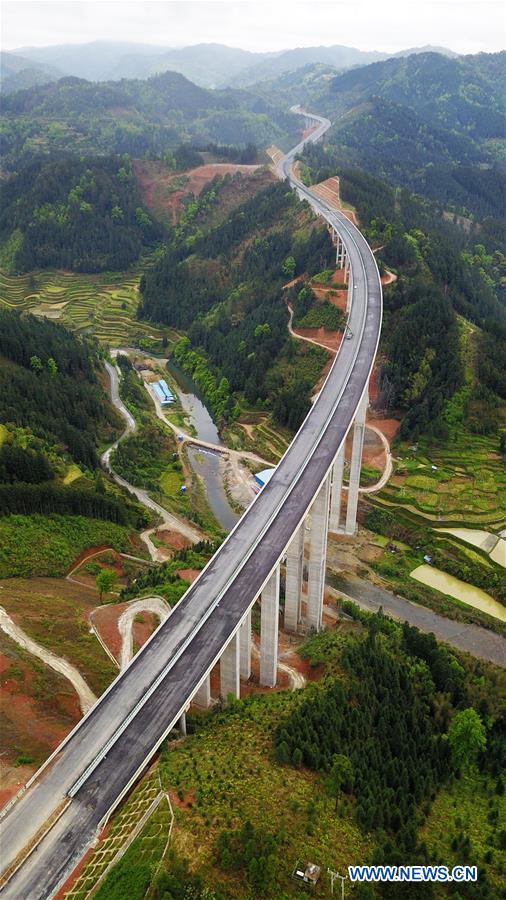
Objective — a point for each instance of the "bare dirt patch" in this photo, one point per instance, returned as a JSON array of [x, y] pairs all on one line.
[[163, 190], [172, 539], [188, 574], [39, 707], [115, 623], [331, 340]]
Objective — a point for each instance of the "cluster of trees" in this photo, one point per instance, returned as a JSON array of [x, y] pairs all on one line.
[[378, 718], [144, 456], [68, 408], [308, 312], [131, 386], [224, 284], [48, 498], [425, 122], [390, 732], [78, 214], [253, 851], [23, 464], [462, 95]]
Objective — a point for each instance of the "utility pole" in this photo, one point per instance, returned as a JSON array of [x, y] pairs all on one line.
[[333, 876]]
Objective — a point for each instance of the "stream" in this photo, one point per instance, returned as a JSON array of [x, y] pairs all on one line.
[[204, 462]]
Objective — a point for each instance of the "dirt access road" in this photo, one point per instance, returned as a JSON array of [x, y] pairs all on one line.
[[86, 696]]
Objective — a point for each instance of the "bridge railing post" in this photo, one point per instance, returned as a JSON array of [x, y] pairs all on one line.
[[356, 465], [318, 556], [269, 628]]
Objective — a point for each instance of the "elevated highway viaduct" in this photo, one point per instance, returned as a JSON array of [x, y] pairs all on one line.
[[63, 806]]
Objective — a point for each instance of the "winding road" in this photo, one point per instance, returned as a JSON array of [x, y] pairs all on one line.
[[181, 525]]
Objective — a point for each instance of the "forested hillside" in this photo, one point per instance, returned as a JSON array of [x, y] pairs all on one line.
[[54, 416], [84, 215], [49, 385], [428, 122], [78, 117], [443, 271], [465, 94], [223, 285]]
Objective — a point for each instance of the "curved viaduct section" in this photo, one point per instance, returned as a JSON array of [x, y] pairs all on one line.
[[90, 772]]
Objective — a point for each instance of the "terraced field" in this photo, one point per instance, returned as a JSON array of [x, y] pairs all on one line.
[[464, 482], [104, 305]]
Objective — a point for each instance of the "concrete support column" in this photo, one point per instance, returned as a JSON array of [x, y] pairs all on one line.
[[337, 487], [182, 725], [245, 647], [203, 696], [355, 465], [340, 252], [293, 589], [229, 669], [269, 624], [318, 556]]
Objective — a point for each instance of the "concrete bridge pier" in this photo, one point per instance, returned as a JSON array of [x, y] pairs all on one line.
[[318, 556], [269, 627], [355, 465], [203, 696], [340, 252], [293, 588], [229, 669], [336, 493], [245, 647]]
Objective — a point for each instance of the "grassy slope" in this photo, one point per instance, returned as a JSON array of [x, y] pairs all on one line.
[[47, 545], [55, 614]]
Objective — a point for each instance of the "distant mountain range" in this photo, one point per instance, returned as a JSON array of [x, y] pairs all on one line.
[[208, 65]]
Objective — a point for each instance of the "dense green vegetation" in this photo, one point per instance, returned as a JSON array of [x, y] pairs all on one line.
[[48, 544], [83, 118], [84, 215], [310, 313], [463, 94], [56, 417], [438, 277], [397, 713], [143, 457], [224, 284], [48, 383]]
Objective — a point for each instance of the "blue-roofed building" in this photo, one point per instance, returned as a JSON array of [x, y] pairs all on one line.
[[261, 478], [163, 392]]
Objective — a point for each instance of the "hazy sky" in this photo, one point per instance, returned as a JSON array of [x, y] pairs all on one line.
[[466, 26]]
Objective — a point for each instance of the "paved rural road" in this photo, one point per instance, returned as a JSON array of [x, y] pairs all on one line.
[[113, 743], [472, 638], [168, 518]]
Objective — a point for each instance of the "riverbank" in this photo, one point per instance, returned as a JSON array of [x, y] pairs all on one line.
[[471, 638]]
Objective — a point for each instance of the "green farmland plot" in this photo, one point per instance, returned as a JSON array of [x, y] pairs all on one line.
[[463, 482], [104, 305]]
